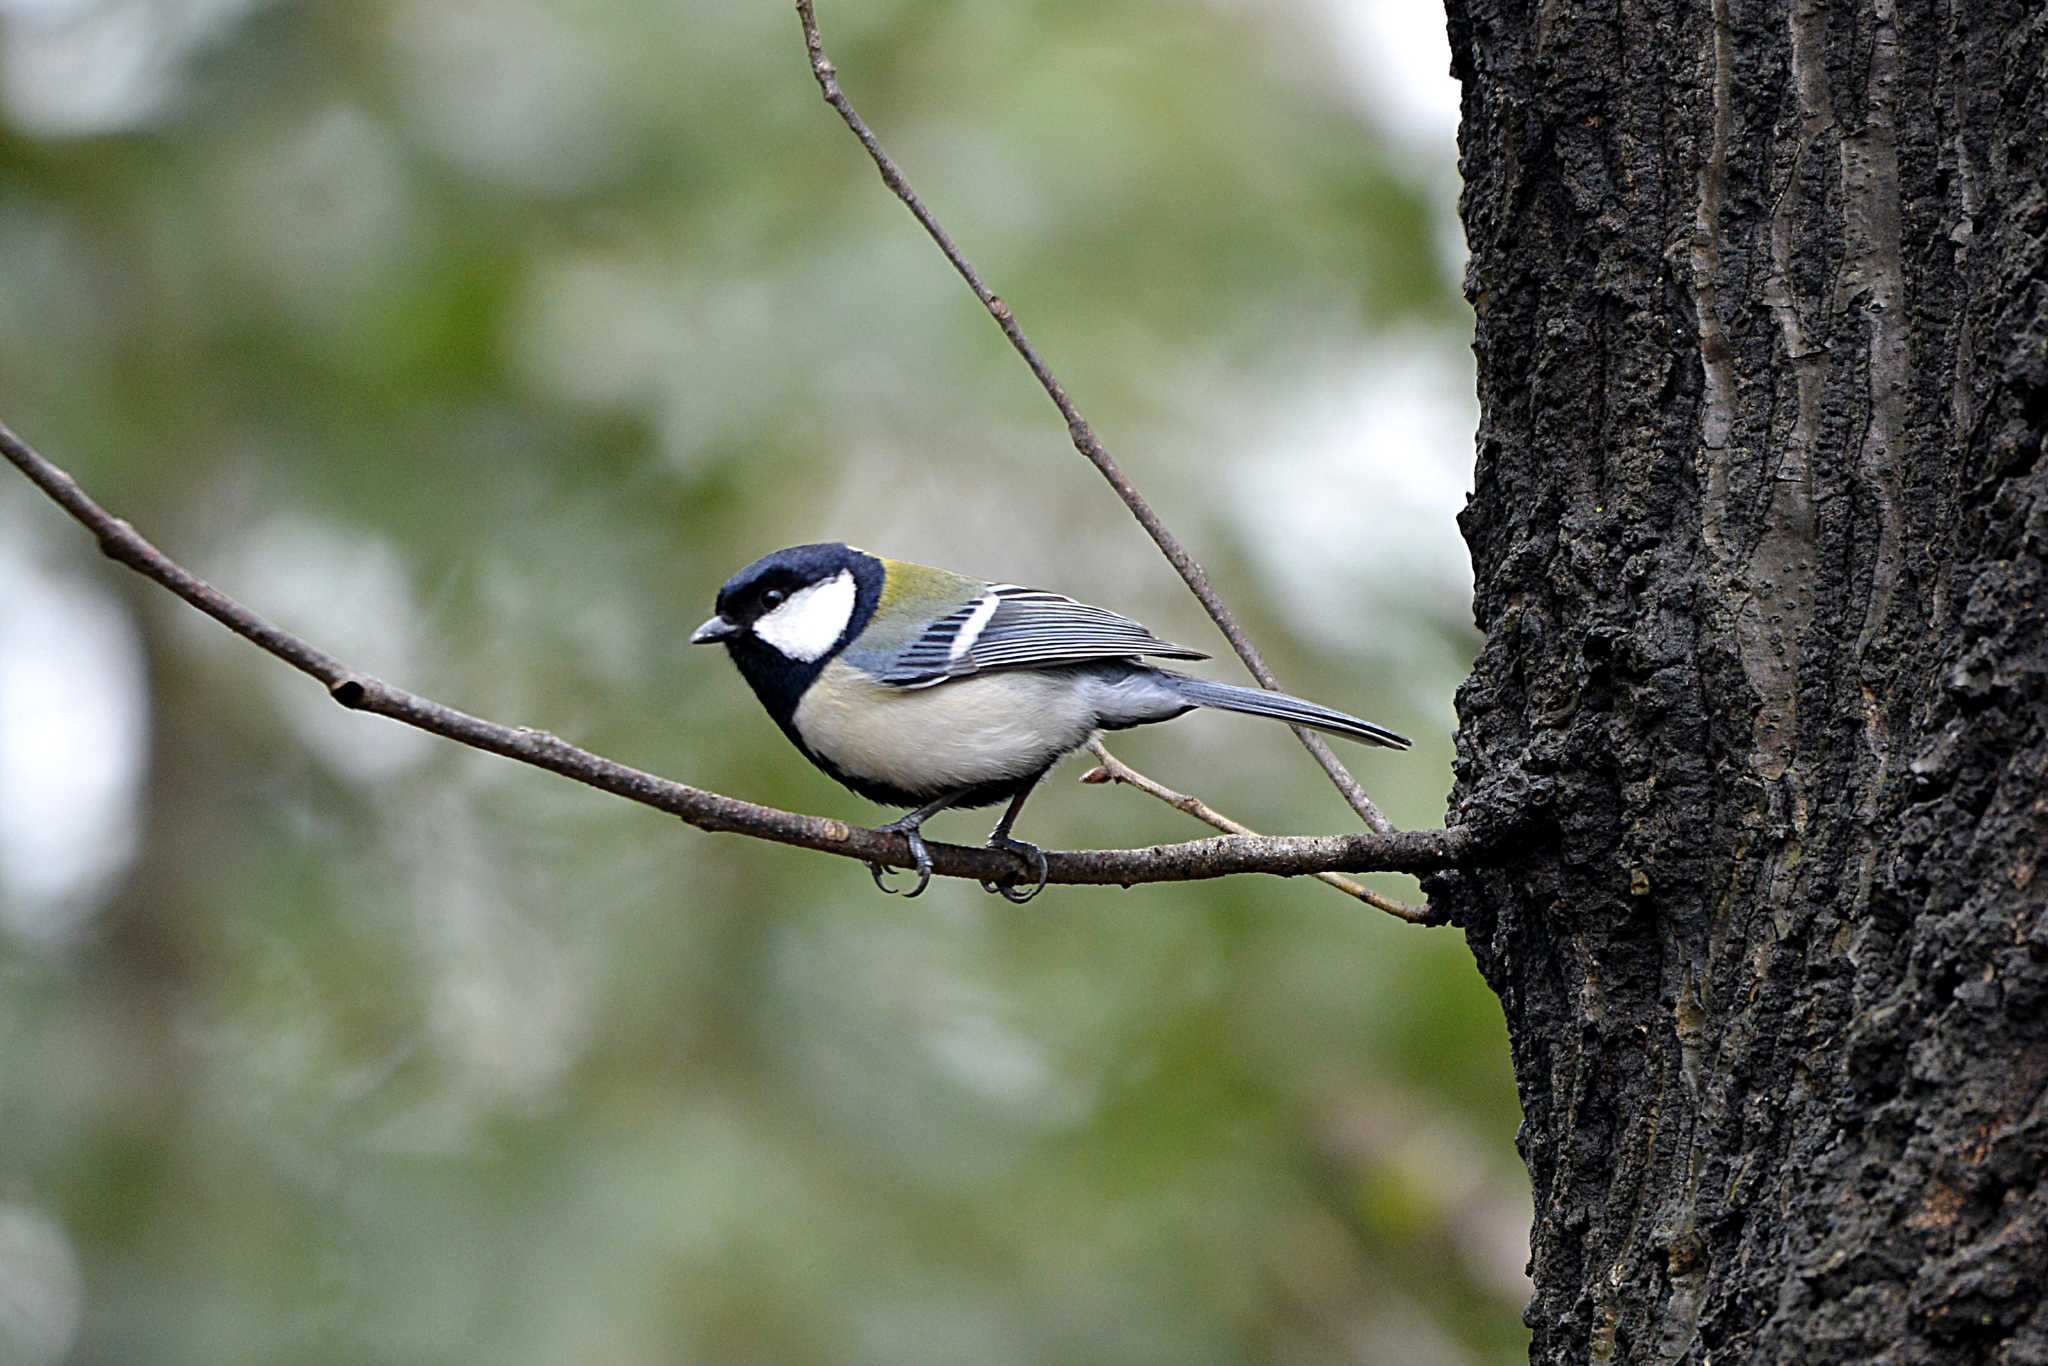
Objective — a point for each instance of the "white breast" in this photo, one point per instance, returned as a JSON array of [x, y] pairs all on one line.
[[972, 730]]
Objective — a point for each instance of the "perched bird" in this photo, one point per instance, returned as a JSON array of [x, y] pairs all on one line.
[[923, 688]]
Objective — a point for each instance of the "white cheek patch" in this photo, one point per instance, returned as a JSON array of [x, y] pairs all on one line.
[[809, 624]]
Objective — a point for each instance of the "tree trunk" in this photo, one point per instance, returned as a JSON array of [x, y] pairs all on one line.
[[1759, 532]]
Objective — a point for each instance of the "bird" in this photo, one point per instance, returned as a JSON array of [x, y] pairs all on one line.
[[918, 687]]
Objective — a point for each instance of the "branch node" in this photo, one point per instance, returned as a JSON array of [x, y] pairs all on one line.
[[350, 692], [543, 741], [1115, 770]]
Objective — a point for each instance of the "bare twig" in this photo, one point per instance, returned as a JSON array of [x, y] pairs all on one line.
[[1409, 851], [1191, 572], [1114, 770]]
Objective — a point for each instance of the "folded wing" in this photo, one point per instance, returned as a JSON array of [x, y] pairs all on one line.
[[1010, 627]]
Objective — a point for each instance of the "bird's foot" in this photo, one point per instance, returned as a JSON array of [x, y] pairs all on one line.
[[1034, 859], [918, 853]]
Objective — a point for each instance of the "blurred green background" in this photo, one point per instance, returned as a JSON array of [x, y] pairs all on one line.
[[479, 341]]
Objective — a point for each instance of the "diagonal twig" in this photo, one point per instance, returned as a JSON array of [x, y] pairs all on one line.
[[1401, 851], [1114, 770], [1191, 572]]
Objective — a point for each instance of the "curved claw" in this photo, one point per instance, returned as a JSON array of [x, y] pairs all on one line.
[[923, 857], [1033, 855]]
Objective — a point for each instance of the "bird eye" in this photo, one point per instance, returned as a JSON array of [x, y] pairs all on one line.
[[773, 599]]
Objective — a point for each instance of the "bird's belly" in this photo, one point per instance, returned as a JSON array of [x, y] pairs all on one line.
[[934, 740]]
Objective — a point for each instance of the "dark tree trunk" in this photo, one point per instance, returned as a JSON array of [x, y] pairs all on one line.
[[1760, 530]]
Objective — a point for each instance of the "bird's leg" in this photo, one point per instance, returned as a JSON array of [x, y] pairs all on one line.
[[907, 826], [1033, 856]]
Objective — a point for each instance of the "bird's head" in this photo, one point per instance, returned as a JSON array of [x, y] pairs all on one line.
[[794, 608]]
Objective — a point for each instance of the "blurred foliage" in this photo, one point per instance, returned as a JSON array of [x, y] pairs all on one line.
[[479, 341]]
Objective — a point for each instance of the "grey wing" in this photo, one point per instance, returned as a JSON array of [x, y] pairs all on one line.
[[1009, 627]]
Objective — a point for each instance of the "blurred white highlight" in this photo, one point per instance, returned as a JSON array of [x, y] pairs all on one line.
[[509, 92], [1367, 465], [1396, 57], [79, 67], [42, 1290], [73, 740], [349, 594]]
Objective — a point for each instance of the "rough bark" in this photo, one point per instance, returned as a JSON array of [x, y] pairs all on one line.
[[1759, 530]]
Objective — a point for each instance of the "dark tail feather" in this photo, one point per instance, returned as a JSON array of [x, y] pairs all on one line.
[[1295, 711]]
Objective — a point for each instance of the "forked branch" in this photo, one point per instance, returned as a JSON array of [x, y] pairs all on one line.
[[1110, 769], [1083, 435], [1239, 851], [1408, 852]]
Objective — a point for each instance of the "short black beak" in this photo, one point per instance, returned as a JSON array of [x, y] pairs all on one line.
[[714, 631]]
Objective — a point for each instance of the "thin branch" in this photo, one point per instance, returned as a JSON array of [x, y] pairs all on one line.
[[1191, 572], [1114, 770], [1406, 851]]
